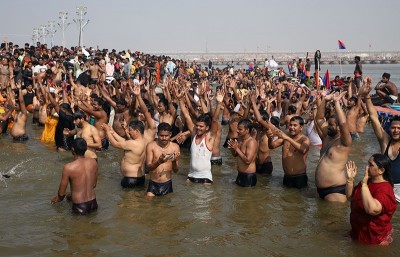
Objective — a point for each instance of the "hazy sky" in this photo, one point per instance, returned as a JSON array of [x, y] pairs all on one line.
[[219, 25]]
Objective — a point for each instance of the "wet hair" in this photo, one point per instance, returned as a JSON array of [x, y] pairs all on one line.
[[164, 101], [299, 119], [99, 101], [163, 126], [246, 123], [137, 124], [395, 119], [386, 75], [67, 107], [383, 162], [292, 109], [275, 121], [206, 118], [79, 146], [79, 115], [264, 115], [353, 98], [121, 102]]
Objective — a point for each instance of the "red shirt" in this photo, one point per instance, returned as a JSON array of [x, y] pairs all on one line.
[[370, 229]]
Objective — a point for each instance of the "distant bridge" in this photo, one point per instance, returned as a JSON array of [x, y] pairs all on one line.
[[282, 58]]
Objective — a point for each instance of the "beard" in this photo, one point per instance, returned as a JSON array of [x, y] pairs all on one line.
[[332, 133]]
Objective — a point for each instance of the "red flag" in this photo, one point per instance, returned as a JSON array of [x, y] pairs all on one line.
[[341, 45], [327, 81]]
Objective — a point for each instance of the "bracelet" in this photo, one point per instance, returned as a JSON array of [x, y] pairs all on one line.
[[364, 184], [350, 180]]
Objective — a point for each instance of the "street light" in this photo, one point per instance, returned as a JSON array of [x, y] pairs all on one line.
[[81, 22], [63, 25], [52, 31]]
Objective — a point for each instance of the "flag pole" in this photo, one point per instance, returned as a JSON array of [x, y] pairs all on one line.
[[340, 63]]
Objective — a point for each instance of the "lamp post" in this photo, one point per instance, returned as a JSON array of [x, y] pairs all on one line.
[[63, 25], [81, 22], [51, 28]]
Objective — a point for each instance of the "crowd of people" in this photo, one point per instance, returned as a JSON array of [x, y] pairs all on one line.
[[152, 106]]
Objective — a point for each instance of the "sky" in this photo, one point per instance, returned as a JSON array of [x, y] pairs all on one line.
[[175, 26]]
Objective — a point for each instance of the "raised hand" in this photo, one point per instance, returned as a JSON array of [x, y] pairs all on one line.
[[136, 90], [220, 96], [351, 170]]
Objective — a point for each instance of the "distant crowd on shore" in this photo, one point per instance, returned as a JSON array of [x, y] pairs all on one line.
[[152, 106]]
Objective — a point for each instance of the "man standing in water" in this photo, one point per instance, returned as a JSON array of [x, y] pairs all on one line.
[[81, 174], [246, 151], [134, 153], [203, 138], [330, 177], [295, 148], [162, 157], [18, 131], [87, 132]]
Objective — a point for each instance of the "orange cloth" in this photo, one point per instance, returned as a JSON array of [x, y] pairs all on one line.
[[48, 134]]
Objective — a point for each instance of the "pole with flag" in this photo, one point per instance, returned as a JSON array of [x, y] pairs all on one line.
[[341, 47]]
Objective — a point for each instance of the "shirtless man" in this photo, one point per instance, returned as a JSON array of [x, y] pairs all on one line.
[[246, 151], [96, 109], [162, 158], [389, 143], [94, 70], [134, 153], [295, 148], [330, 176], [203, 138], [18, 131], [87, 132], [263, 160], [150, 124], [81, 174], [352, 115], [387, 90]]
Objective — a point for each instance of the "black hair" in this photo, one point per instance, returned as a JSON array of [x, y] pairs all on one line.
[[299, 119], [163, 126], [292, 109], [395, 119], [358, 58], [137, 124], [383, 161], [353, 98], [164, 101], [79, 146], [206, 118], [264, 115], [246, 123], [79, 115]]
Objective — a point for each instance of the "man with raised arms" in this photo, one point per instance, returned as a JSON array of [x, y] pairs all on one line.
[[81, 174], [162, 158], [203, 133], [132, 164], [18, 131], [330, 177]]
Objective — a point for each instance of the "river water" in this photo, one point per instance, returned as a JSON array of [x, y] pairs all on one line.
[[195, 220]]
